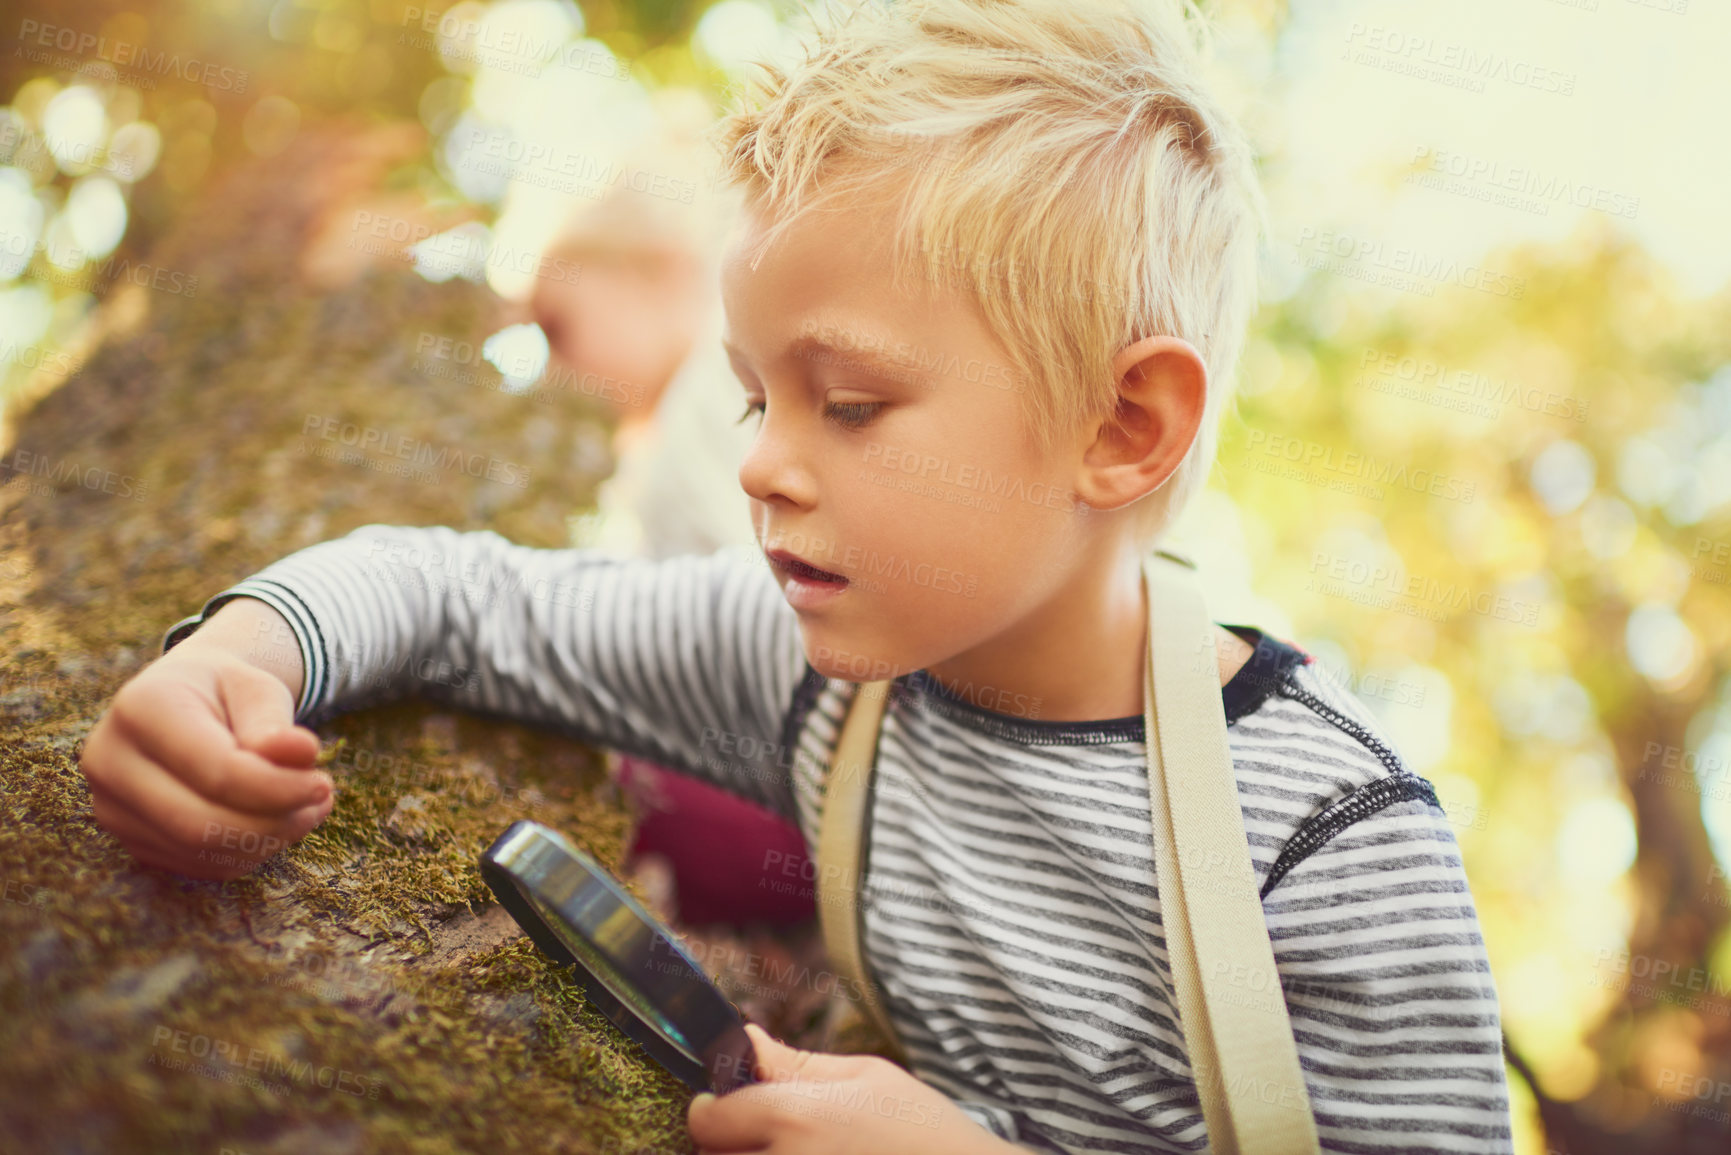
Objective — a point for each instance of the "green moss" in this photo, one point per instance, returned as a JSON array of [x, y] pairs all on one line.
[[357, 950]]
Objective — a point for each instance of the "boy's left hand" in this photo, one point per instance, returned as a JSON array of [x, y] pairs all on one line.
[[810, 1102]]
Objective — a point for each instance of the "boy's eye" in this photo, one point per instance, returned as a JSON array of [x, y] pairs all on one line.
[[849, 415], [852, 414]]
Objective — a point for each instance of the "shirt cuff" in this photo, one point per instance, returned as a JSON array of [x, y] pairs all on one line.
[[285, 602]]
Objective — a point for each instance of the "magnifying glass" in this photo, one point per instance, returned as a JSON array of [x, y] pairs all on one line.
[[629, 964]]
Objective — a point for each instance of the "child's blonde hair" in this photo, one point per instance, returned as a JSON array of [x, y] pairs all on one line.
[[1060, 160]]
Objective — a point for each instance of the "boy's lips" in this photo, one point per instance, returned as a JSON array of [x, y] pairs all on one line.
[[805, 586], [792, 566]]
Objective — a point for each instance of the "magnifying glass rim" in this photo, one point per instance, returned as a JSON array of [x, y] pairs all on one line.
[[530, 859]]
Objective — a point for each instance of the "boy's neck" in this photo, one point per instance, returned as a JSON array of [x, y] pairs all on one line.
[[1080, 657]]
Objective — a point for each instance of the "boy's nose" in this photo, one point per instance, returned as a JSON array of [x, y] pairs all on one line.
[[772, 470]]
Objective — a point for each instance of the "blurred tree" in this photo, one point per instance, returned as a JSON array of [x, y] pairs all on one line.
[[1437, 485]]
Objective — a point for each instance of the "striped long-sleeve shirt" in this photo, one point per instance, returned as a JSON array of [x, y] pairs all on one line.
[[1010, 909]]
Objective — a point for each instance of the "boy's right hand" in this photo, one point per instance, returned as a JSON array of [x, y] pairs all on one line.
[[198, 766]]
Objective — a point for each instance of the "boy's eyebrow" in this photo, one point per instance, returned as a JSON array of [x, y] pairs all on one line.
[[817, 348]]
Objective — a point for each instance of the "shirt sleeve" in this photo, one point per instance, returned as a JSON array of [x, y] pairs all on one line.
[[1390, 991], [690, 661], [1000, 1121]]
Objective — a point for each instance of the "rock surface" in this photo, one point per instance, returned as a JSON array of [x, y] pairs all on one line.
[[359, 992]]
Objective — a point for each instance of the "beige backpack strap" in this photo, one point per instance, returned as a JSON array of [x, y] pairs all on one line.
[[1230, 1003], [847, 792]]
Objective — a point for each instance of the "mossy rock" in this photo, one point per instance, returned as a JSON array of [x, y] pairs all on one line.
[[359, 992]]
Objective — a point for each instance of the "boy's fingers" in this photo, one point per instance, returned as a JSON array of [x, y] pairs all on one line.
[[737, 1121], [261, 714], [175, 728], [132, 832], [183, 818], [775, 1060], [294, 748], [223, 850], [258, 707]]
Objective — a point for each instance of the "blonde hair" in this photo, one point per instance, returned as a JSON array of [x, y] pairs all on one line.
[[1060, 160]]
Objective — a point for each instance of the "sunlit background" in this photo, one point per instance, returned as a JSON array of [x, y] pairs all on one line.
[[1480, 465]]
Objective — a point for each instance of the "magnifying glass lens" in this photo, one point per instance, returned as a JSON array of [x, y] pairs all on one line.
[[597, 965]]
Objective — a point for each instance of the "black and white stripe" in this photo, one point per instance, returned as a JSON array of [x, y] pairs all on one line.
[[1010, 906]]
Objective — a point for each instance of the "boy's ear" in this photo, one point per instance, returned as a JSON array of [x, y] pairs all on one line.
[[1162, 392]]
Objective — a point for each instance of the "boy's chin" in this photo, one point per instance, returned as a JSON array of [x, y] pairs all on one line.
[[834, 655]]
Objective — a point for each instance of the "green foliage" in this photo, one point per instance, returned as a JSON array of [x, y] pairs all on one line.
[[1410, 539]]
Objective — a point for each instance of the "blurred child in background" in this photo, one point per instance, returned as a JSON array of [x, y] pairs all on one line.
[[644, 315]]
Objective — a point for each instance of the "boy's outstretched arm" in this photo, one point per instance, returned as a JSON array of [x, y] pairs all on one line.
[[691, 661]]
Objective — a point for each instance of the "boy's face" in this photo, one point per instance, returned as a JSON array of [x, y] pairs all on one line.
[[915, 479]]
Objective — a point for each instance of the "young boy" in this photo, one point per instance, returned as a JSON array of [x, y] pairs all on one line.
[[987, 296]]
